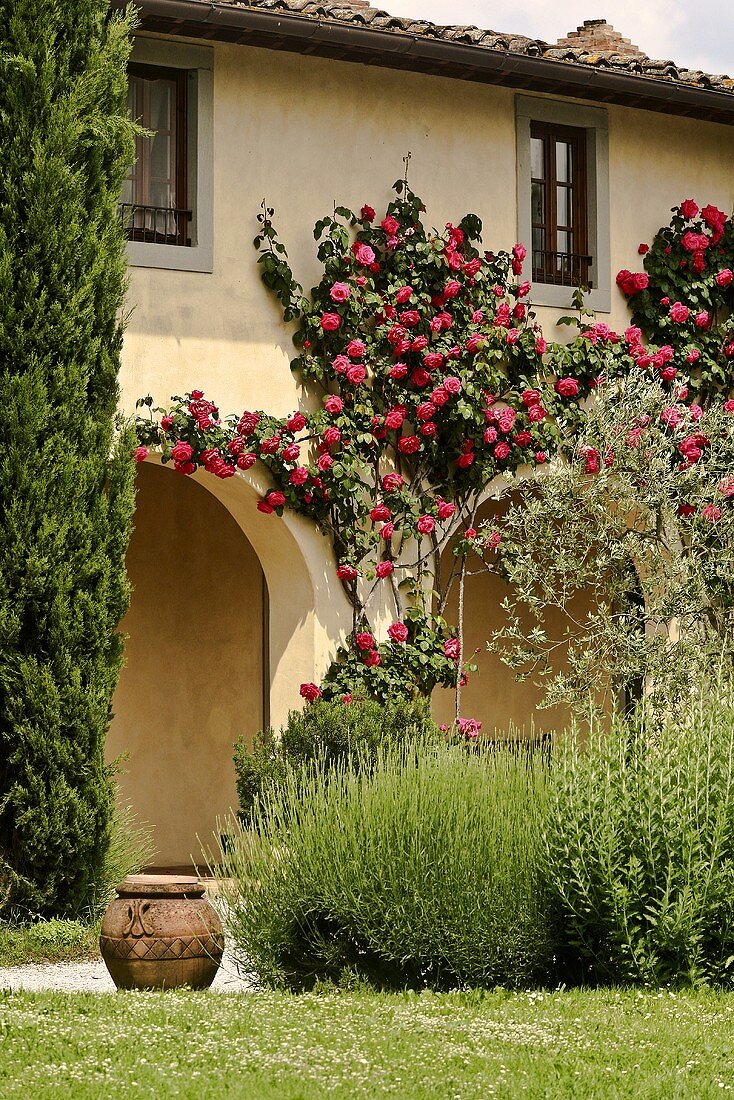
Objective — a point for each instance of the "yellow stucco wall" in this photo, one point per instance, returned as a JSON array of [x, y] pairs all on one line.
[[193, 679], [304, 132]]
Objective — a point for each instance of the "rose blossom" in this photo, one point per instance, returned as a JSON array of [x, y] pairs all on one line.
[[299, 476], [451, 648], [356, 374], [679, 313], [387, 531], [296, 423], [688, 209], [567, 387], [409, 444], [391, 483], [246, 461], [330, 322], [347, 573], [420, 377], [182, 451], [452, 384], [140, 454], [390, 225], [703, 319], [332, 436], [333, 404], [363, 254], [502, 450], [711, 512], [536, 413], [291, 452], [380, 513], [404, 294], [367, 214], [724, 278], [445, 509], [340, 292], [373, 659], [310, 692], [384, 569], [166, 422], [398, 371], [426, 524], [364, 640], [398, 632]]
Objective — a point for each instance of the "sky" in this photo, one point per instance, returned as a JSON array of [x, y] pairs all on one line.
[[698, 35]]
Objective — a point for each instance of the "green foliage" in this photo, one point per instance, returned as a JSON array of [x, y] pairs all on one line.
[[327, 734], [424, 870], [640, 846], [66, 482], [47, 941]]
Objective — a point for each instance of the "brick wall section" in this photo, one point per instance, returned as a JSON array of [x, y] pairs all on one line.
[[598, 36]]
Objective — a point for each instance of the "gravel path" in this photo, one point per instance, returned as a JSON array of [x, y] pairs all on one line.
[[85, 977]]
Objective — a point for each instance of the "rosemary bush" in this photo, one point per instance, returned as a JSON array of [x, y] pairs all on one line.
[[640, 846], [423, 870]]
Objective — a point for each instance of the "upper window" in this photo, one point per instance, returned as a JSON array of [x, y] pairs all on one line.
[[154, 202], [563, 199], [167, 201], [559, 205]]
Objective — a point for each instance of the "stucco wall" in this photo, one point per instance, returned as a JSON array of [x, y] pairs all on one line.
[[193, 678], [304, 132]]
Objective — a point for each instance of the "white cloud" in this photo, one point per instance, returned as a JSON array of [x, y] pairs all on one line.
[[665, 29]]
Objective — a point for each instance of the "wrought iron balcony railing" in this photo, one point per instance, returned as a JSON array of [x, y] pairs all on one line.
[[562, 268], [155, 224]]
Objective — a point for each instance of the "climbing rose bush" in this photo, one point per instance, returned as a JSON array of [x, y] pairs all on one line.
[[434, 386]]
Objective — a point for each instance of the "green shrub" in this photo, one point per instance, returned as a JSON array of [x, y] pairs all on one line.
[[328, 732], [422, 870], [640, 847], [130, 850], [47, 941]]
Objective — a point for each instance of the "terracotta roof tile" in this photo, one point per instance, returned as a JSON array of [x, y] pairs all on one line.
[[595, 43]]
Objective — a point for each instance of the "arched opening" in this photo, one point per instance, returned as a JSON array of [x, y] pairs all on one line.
[[493, 695], [196, 668]]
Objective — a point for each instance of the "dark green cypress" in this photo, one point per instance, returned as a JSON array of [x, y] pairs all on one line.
[[66, 476]]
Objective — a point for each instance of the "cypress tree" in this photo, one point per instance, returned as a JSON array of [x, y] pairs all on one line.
[[66, 473]]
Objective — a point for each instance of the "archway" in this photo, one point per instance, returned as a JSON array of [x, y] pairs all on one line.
[[196, 667]]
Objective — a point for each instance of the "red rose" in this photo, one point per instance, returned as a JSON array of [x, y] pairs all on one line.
[[373, 659], [439, 397], [310, 692], [688, 209], [265, 507], [420, 377], [445, 509], [410, 318], [541, 457], [398, 632], [246, 461], [433, 360], [330, 322], [398, 371], [166, 422], [247, 423], [182, 451], [390, 225], [325, 462], [703, 319], [296, 423], [347, 573], [426, 524], [723, 278], [391, 483], [140, 454], [364, 640], [356, 374], [380, 513], [356, 349], [567, 387], [451, 289], [404, 295], [452, 385], [299, 476], [367, 214], [384, 569], [679, 313], [187, 468], [643, 248], [269, 446], [502, 450], [276, 498], [521, 439], [536, 414], [387, 530], [333, 404], [409, 444]]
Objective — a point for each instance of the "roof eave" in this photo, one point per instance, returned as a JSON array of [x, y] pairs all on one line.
[[435, 56]]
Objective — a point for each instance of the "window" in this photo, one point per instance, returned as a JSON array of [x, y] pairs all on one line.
[[559, 205], [563, 200], [166, 203], [154, 204]]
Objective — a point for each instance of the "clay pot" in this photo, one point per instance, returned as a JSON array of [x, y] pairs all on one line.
[[161, 932]]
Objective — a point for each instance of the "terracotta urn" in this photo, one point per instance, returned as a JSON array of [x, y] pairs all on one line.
[[161, 932]]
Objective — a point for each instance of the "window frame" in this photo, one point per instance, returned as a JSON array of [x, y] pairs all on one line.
[[551, 135], [593, 121], [192, 66]]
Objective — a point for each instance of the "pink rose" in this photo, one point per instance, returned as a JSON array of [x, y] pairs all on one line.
[[356, 349], [426, 524], [296, 423], [567, 387], [433, 361], [325, 462], [347, 573], [364, 640], [276, 498], [140, 454], [446, 509], [356, 374], [373, 659], [679, 313], [392, 483], [340, 292], [299, 476], [711, 512], [390, 225], [310, 692], [703, 319], [541, 457], [363, 254], [182, 451], [536, 413], [333, 404], [451, 648], [502, 450], [452, 385], [387, 531], [723, 279], [332, 436], [330, 322], [384, 569], [398, 632]]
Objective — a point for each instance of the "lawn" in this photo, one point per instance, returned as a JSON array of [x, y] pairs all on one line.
[[272, 1046]]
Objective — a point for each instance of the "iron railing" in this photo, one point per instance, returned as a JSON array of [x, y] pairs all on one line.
[[562, 268], [155, 224]]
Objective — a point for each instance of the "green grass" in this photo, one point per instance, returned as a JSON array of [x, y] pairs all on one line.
[[278, 1046], [48, 941]]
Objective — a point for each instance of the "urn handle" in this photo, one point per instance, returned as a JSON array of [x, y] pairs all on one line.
[[136, 914]]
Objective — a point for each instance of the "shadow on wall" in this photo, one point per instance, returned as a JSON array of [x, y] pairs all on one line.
[[195, 662]]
